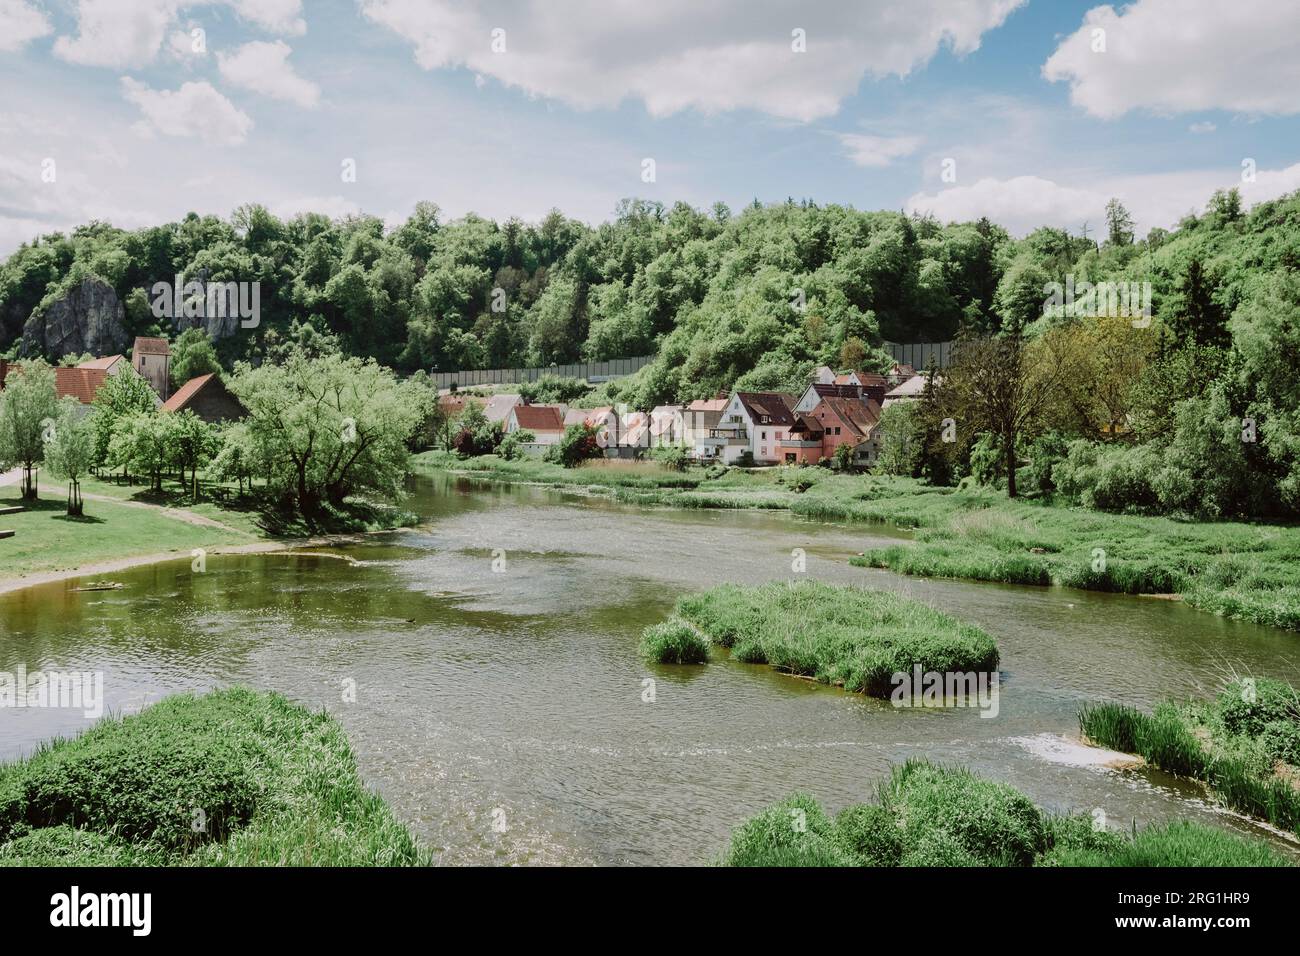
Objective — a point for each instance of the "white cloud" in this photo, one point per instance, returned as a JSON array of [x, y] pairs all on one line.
[[876, 151], [129, 33], [20, 23], [196, 109], [1200, 128], [680, 54], [265, 68], [1178, 56], [1024, 203]]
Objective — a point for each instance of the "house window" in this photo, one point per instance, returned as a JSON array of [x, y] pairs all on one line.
[[763, 435], [837, 429]]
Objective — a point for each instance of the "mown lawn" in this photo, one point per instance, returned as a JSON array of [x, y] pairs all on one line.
[[47, 539]]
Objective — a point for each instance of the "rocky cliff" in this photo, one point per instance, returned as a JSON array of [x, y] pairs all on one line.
[[87, 318]]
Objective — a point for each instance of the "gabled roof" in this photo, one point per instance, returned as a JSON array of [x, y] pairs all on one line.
[[186, 393], [808, 425], [864, 378], [498, 406], [858, 415], [78, 383], [774, 406], [911, 388], [707, 405], [149, 346], [104, 362], [539, 418], [837, 390]]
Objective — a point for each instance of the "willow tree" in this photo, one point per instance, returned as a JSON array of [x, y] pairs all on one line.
[[330, 426]]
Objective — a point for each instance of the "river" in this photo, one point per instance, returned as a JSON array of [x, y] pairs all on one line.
[[500, 701]]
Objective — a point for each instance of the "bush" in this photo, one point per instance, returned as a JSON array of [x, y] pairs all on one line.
[[1109, 477], [510, 449], [674, 642], [1247, 708], [949, 813], [230, 778], [672, 457], [870, 834], [849, 636], [794, 832], [577, 444]]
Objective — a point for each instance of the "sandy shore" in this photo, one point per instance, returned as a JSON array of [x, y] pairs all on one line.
[[99, 568]]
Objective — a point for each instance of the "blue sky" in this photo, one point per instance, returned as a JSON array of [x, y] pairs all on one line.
[[108, 111]]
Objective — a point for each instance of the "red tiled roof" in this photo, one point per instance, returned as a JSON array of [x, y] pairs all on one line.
[[864, 378], [148, 346], [539, 418], [80, 383], [773, 406], [104, 362], [858, 415], [185, 394]]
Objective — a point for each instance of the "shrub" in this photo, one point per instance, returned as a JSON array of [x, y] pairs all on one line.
[[578, 443], [795, 831], [849, 636], [510, 449], [674, 642], [230, 778], [1246, 708], [944, 809], [870, 834]]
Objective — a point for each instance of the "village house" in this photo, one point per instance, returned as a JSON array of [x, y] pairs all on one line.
[[152, 358], [499, 406], [112, 364], [754, 422], [908, 391], [816, 391], [899, 373], [83, 384], [208, 398], [546, 422], [667, 425], [700, 420]]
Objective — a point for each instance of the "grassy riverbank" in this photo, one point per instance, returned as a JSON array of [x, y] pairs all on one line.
[[926, 815], [1244, 744], [846, 636], [124, 521], [232, 778], [1245, 571]]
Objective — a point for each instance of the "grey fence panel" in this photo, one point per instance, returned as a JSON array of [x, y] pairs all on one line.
[[915, 354]]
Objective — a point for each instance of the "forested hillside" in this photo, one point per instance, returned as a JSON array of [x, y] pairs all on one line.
[[757, 297]]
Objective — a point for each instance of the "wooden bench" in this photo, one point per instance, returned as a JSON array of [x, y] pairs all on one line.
[[11, 511], [6, 534]]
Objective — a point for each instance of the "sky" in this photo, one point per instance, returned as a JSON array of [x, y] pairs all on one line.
[[1031, 112]]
